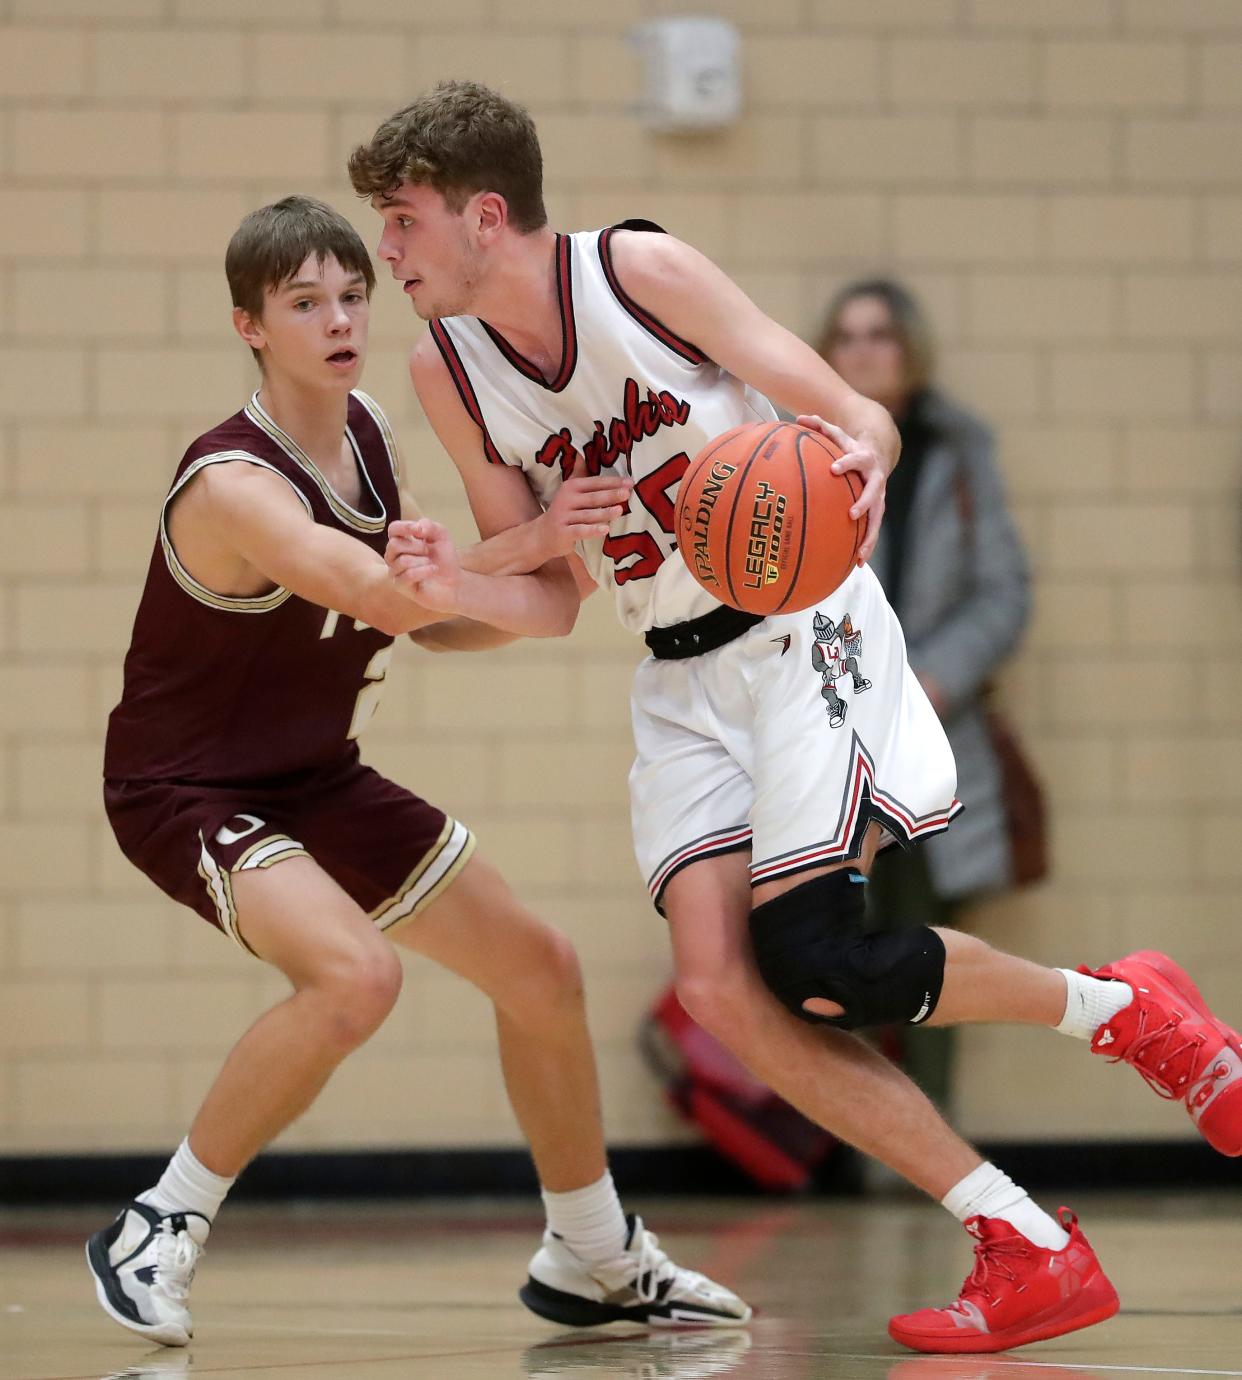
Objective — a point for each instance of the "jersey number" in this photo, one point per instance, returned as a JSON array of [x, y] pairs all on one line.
[[652, 491], [368, 698]]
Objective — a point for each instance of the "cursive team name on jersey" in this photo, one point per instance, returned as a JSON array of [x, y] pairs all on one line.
[[640, 417]]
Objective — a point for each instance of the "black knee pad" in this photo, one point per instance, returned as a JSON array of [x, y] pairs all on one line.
[[810, 942]]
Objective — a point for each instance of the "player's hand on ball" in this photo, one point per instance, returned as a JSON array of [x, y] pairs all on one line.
[[424, 563], [584, 506], [866, 461]]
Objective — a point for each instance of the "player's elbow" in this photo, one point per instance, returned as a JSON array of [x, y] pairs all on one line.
[[387, 616], [562, 616], [375, 613], [562, 601], [391, 626], [426, 639]]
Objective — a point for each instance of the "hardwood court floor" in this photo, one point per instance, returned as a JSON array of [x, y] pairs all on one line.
[[380, 1292]]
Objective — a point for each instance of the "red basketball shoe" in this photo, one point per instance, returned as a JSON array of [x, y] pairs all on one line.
[[1017, 1293], [1182, 1051]]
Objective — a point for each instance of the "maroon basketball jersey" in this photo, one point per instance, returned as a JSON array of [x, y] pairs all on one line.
[[223, 690]]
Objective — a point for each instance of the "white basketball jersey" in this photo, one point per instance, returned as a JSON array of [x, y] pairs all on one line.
[[630, 397]]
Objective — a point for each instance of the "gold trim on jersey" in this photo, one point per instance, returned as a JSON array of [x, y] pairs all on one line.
[[258, 603], [284, 857], [390, 442], [220, 890], [272, 848], [351, 517], [437, 869]]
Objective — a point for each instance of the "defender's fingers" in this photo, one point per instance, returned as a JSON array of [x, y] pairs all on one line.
[[396, 550]]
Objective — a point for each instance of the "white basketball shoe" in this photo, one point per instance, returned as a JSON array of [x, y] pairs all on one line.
[[143, 1266], [642, 1285]]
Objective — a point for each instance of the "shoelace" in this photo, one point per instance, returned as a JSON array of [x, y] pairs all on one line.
[[653, 1265], [990, 1259], [1152, 1052], [176, 1254], [655, 1268]]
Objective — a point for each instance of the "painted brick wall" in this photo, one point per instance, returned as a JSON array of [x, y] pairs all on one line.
[[1060, 180]]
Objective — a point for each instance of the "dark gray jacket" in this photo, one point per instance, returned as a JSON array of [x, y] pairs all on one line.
[[964, 604]]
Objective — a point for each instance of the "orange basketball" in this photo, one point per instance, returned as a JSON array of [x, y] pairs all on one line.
[[762, 521]]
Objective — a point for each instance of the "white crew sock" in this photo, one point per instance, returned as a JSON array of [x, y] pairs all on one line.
[[1090, 1002], [986, 1192], [187, 1186], [589, 1220]]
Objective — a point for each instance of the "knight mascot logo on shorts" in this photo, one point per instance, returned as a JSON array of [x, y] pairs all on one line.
[[834, 653]]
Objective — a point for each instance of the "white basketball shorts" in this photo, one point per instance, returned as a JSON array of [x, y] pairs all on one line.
[[788, 741]]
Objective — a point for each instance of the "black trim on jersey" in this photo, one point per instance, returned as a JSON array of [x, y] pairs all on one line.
[[569, 329], [638, 223], [465, 389], [718, 851], [858, 809], [649, 323]]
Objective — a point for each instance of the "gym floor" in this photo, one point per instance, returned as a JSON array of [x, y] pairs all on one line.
[[429, 1290]]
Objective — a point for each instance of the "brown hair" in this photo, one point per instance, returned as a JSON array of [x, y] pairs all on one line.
[[460, 138], [272, 243], [910, 326]]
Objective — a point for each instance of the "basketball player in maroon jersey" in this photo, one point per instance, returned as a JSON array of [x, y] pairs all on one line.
[[536, 341], [232, 779]]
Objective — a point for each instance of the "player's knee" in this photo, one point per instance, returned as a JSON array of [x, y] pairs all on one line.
[[357, 991], [811, 943], [713, 1001], [545, 978], [560, 968]]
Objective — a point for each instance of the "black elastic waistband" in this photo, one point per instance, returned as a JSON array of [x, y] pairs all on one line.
[[700, 635]]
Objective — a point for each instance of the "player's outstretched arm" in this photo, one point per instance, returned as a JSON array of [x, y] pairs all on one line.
[[697, 301], [517, 535], [465, 635], [257, 517], [424, 561], [584, 506]]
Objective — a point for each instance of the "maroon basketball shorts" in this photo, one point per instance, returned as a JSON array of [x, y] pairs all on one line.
[[392, 852]]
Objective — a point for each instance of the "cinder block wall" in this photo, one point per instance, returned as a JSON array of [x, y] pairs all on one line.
[[1060, 180]]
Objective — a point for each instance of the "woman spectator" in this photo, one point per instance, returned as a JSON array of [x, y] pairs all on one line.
[[953, 567]]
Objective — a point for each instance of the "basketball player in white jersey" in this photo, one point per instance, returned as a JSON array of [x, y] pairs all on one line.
[[560, 369]]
